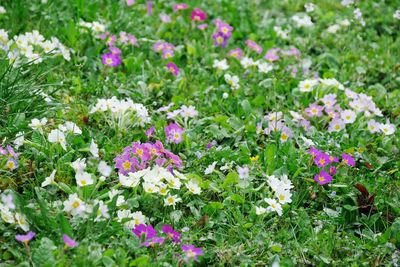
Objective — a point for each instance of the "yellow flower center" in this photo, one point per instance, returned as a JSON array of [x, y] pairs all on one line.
[[126, 165], [75, 204]]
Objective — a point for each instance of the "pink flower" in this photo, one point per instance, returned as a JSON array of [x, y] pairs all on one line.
[[349, 160], [173, 68], [69, 241], [198, 15], [130, 2], [171, 233], [321, 160], [148, 231], [323, 178], [150, 132], [272, 54], [202, 26], [314, 110], [236, 53], [181, 6], [254, 46], [111, 60], [25, 238], [192, 252], [173, 133]]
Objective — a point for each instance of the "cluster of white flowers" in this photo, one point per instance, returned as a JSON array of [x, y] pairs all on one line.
[[8, 211], [122, 111], [221, 64], [94, 26], [363, 103], [158, 180], [30, 47], [284, 34], [308, 85], [276, 123], [58, 135], [336, 27], [184, 111], [232, 80], [302, 20], [281, 190]]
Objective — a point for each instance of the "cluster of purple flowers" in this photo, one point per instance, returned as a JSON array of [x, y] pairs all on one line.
[[148, 235], [224, 32], [113, 57], [68, 241], [322, 160], [166, 49], [10, 157], [274, 53], [140, 156]]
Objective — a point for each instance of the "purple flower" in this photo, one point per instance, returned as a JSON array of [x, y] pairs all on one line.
[[111, 60], [126, 164], [11, 164], [149, 6], [220, 39], [314, 152], [181, 6], [272, 54], [152, 242], [173, 68], [192, 252], [333, 159], [314, 110], [130, 2], [111, 40], [69, 241], [132, 40], [254, 46], [198, 15], [225, 29], [349, 160], [236, 53], [167, 53], [165, 18], [115, 50], [202, 26], [173, 133], [332, 170], [148, 231], [323, 178], [150, 132], [26, 238], [171, 233], [321, 160]]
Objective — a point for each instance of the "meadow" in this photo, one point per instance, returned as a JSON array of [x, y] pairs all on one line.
[[199, 133]]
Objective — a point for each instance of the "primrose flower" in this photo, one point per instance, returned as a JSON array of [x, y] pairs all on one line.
[[307, 85], [173, 133], [220, 39], [225, 29], [173, 68], [198, 15], [314, 110], [154, 241], [111, 60], [171, 200], [260, 210], [50, 179], [348, 160], [348, 116], [192, 252], [322, 159], [373, 126], [25, 238], [336, 125], [272, 55], [181, 6], [221, 64], [388, 128], [171, 233], [273, 206], [323, 178], [57, 136], [147, 230], [130, 2], [74, 205], [254, 46], [236, 53], [11, 164], [69, 242]]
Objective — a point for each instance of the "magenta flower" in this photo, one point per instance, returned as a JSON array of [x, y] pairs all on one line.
[[150, 132], [69, 242], [272, 54], [225, 29], [314, 110], [142, 230], [220, 39], [111, 40], [236, 53], [115, 50], [321, 160], [173, 133], [333, 159], [332, 170], [25, 238], [181, 6], [198, 15], [314, 152], [173, 68], [349, 160], [154, 241], [111, 60], [171, 233], [254, 46], [323, 178], [192, 252]]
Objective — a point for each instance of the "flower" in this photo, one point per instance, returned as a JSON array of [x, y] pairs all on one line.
[[323, 178], [11, 164], [180, 6], [83, 179], [210, 168], [221, 64], [148, 231], [153, 241], [254, 46], [348, 116], [307, 85], [104, 168], [192, 252], [26, 238], [37, 124], [321, 159], [138, 217], [349, 160], [236, 53], [74, 205], [233, 81], [50, 179], [173, 133], [260, 210], [273, 206], [336, 125], [111, 60], [198, 15], [188, 112], [171, 233], [69, 242], [150, 132], [387, 128], [373, 126], [21, 221], [314, 110], [193, 187], [243, 172], [94, 149], [57, 136], [173, 68], [284, 196], [171, 200]]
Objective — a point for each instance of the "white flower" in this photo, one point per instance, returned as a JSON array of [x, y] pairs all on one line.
[[243, 172], [102, 212], [387, 128], [173, 114], [138, 217], [307, 85], [210, 168], [94, 149], [19, 139], [188, 112], [8, 200], [193, 187], [307, 142], [265, 67], [79, 165], [302, 20], [21, 221], [57, 136], [309, 7], [130, 180], [232, 81], [120, 201], [83, 178], [333, 28], [37, 124], [396, 14], [114, 192], [69, 126], [260, 210], [2, 10], [247, 62], [283, 196], [273, 206], [348, 116], [74, 205], [225, 95], [104, 169], [331, 82], [6, 215], [171, 200], [150, 188], [373, 126], [50, 179], [347, 2], [221, 64]]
